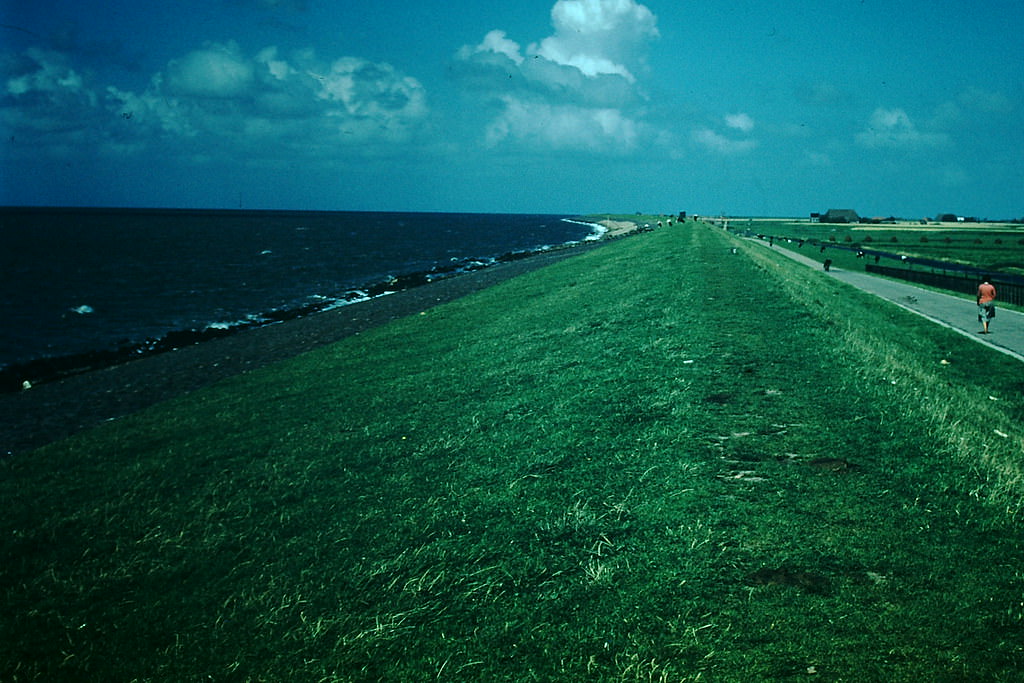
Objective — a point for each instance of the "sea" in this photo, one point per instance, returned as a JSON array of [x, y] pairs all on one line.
[[80, 283]]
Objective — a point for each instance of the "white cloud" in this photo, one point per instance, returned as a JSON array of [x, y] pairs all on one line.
[[214, 71], [602, 17], [892, 128], [819, 159], [563, 127], [216, 97], [151, 113], [278, 68], [572, 90], [985, 101], [723, 144], [301, 103], [370, 90], [741, 122], [598, 36], [45, 71], [45, 104], [973, 113], [495, 42], [716, 142], [588, 56]]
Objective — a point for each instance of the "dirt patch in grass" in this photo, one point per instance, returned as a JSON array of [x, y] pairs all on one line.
[[784, 576]]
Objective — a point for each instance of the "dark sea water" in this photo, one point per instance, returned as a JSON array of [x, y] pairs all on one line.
[[76, 281]]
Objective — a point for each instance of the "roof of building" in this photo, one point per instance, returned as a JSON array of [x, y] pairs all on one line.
[[840, 216]]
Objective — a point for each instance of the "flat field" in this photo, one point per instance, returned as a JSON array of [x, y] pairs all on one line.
[[655, 461], [995, 246]]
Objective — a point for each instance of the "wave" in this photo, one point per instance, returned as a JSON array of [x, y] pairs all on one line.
[[22, 375], [598, 231]]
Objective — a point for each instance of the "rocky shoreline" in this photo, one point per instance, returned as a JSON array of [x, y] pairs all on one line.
[[20, 376], [114, 386]]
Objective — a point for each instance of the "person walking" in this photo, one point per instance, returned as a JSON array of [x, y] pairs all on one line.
[[986, 303]]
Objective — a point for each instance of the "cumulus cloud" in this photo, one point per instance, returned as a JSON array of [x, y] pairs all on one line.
[[709, 139], [563, 127], [497, 43], [267, 102], [42, 73], [586, 61], [597, 36], [973, 108], [741, 122], [815, 158], [45, 103], [575, 89], [367, 90], [218, 96], [985, 101], [215, 71], [892, 128]]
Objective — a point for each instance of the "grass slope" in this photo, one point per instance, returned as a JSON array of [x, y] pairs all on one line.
[[654, 461]]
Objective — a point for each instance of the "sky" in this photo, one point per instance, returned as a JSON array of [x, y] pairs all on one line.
[[742, 108]]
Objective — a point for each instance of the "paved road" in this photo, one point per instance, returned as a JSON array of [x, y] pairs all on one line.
[[957, 312]]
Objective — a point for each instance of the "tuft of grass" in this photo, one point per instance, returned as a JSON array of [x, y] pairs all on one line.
[[655, 461]]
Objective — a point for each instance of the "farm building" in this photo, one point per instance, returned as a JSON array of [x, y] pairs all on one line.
[[955, 218], [839, 216]]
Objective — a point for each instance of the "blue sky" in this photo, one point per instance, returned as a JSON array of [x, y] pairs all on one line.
[[567, 106]]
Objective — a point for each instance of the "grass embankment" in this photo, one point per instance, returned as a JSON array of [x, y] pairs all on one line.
[[654, 461]]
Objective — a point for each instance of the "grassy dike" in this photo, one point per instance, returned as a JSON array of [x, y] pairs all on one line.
[[656, 461]]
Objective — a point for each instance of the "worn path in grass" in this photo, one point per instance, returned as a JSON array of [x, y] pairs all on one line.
[[958, 313]]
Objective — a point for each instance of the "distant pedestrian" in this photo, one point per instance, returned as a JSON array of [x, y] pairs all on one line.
[[828, 264], [986, 303]]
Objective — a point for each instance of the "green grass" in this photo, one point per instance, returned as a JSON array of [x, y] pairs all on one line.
[[656, 461], [985, 246]]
